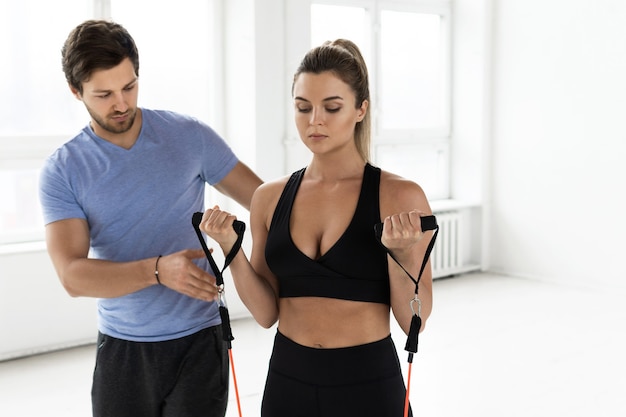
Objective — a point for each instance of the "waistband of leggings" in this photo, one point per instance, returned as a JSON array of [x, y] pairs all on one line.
[[340, 366]]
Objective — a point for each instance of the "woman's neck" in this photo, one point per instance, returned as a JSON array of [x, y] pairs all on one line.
[[333, 169]]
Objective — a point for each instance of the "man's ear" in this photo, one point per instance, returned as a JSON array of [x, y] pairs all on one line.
[[76, 93]]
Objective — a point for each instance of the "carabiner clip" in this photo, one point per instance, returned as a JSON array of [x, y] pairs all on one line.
[[221, 297], [419, 306]]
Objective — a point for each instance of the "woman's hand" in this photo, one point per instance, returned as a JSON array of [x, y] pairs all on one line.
[[402, 231], [218, 225]]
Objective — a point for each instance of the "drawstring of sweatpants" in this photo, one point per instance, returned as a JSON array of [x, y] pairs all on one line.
[[427, 223], [227, 334]]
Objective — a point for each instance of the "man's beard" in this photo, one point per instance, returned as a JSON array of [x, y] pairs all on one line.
[[113, 127]]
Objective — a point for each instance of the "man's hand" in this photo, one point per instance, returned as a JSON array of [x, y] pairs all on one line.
[[178, 272]]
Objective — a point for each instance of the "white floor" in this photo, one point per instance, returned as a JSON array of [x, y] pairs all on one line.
[[495, 346]]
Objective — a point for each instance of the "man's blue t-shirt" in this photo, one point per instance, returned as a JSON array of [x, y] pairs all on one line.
[[139, 203]]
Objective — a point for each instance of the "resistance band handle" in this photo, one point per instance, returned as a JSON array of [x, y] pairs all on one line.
[[238, 225], [428, 223]]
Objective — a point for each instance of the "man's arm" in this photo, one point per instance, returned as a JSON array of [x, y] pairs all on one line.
[[68, 246], [239, 184]]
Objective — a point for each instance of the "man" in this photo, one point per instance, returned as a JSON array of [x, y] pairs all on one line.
[[118, 200]]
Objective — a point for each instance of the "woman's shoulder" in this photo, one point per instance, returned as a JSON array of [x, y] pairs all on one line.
[[265, 199], [274, 185], [400, 191], [270, 190], [395, 182]]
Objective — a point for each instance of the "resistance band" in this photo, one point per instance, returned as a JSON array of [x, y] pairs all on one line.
[[428, 223], [240, 228]]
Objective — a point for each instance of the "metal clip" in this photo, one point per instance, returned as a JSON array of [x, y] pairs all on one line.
[[221, 296], [419, 306]]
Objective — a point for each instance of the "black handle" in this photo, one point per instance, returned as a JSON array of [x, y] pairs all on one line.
[[428, 223], [238, 225]]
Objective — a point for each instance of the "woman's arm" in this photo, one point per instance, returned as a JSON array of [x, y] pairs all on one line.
[[402, 204], [256, 285]]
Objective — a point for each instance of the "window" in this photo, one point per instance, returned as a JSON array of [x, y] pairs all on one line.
[[177, 52], [38, 113], [405, 43], [406, 47], [412, 75], [37, 109]]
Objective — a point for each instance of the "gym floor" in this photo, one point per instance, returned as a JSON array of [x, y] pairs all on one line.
[[494, 346]]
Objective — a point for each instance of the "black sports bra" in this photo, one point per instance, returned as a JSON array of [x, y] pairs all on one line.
[[354, 268]]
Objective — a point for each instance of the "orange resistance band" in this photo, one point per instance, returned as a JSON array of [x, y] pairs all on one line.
[[232, 367], [408, 389]]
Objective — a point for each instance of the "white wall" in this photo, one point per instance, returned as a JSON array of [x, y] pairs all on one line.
[[471, 121], [559, 141], [36, 314]]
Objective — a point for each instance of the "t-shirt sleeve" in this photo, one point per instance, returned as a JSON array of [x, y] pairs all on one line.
[[219, 159], [58, 202]]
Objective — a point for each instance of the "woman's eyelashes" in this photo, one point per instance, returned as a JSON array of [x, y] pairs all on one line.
[[327, 109]]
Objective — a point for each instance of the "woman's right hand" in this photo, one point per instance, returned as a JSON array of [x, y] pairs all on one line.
[[218, 225]]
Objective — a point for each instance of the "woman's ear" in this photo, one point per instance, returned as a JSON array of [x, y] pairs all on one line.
[[362, 110]]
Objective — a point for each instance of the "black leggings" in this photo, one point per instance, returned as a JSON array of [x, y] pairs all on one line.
[[359, 381]]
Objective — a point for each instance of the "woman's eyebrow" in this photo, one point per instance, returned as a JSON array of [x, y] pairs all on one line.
[[326, 99]]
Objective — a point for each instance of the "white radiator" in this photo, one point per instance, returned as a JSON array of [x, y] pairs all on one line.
[[446, 253], [449, 254]]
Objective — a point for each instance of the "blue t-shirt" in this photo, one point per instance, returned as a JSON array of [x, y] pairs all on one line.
[[139, 203]]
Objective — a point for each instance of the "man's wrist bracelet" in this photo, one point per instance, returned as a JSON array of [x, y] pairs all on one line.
[[156, 270]]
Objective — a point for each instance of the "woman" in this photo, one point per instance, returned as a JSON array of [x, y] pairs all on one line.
[[316, 266]]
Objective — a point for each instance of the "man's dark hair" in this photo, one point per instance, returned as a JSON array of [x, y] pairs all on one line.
[[96, 45]]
